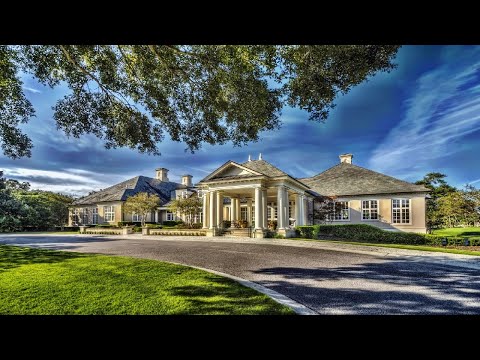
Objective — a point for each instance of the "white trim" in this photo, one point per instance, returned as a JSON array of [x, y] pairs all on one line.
[[409, 212], [370, 207], [348, 208], [110, 212]]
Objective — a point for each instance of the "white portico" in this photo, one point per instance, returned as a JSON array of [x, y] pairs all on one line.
[[255, 195]]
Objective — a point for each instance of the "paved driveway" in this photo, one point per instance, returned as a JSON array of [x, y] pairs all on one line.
[[329, 281]]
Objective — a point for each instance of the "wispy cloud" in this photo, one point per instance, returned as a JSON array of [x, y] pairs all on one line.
[[71, 181], [443, 108], [28, 88]]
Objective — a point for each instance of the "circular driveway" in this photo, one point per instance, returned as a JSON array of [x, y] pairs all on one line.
[[328, 281]]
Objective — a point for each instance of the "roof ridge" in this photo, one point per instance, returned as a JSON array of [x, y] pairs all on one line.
[[269, 163]]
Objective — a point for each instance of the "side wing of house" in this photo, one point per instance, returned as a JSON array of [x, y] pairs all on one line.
[[397, 212]]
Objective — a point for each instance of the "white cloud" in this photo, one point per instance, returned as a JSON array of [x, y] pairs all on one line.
[[443, 108], [35, 91], [70, 181]]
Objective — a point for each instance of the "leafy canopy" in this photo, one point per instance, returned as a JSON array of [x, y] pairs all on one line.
[[133, 95], [188, 208], [142, 203]]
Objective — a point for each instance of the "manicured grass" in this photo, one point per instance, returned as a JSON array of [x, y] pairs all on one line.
[[399, 246], [36, 281], [472, 232]]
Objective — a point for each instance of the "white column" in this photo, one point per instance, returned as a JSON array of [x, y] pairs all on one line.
[[237, 204], [287, 222], [305, 210], [219, 209], [264, 209], [233, 210], [280, 206], [258, 208], [205, 210], [298, 210], [213, 203], [249, 211]]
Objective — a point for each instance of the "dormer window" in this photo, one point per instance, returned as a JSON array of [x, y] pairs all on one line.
[[184, 194]]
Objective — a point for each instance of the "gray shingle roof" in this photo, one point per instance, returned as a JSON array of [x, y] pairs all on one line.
[[264, 167], [121, 191], [349, 179]]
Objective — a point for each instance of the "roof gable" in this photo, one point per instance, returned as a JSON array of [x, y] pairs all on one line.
[[348, 179], [230, 170]]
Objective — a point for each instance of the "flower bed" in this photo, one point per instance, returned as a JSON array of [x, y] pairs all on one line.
[[178, 232]]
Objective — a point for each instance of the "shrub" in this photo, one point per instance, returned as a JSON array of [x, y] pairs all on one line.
[[171, 222], [197, 226], [106, 225], [278, 236], [272, 224], [305, 231], [137, 229], [67, 228], [227, 223], [362, 232]]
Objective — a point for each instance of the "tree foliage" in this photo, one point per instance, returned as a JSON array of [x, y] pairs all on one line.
[[142, 204], [188, 208], [22, 209], [133, 95], [448, 206]]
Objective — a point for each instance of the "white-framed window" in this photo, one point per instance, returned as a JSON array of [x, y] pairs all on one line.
[[136, 217], [401, 211], [291, 204], [109, 213], [170, 216], [75, 217], [243, 213], [269, 212], [84, 216], [340, 211], [369, 209], [200, 193], [95, 216], [184, 194]]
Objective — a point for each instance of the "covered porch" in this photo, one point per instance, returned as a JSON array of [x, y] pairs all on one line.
[[249, 198]]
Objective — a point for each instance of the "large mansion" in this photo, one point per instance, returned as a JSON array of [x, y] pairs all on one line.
[[257, 192]]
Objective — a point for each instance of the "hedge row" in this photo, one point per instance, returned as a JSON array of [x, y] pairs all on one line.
[[372, 234]]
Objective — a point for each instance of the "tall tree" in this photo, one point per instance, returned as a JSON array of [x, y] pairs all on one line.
[[43, 209], [133, 95], [439, 188], [11, 210], [188, 208], [142, 204], [437, 184]]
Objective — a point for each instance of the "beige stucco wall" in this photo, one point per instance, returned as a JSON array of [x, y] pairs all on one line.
[[417, 214]]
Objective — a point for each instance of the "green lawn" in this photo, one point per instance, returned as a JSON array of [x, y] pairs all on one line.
[[472, 232], [399, 246], [35, 281]]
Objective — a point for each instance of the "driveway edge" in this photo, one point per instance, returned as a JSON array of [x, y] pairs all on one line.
[[298, 308]]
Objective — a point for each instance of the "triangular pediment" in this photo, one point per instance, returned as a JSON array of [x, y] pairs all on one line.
[[229, 170]]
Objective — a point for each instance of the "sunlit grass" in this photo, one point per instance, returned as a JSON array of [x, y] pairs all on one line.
[[36, 281]]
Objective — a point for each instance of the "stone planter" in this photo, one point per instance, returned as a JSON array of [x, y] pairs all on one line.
[[83, 229], [145, 231], [127, 230]]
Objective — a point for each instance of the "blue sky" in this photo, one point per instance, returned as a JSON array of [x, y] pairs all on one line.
[[424, 116]]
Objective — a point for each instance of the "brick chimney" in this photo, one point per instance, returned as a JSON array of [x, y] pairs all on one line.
[[346, 158], [187, 180], [161, 174]]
